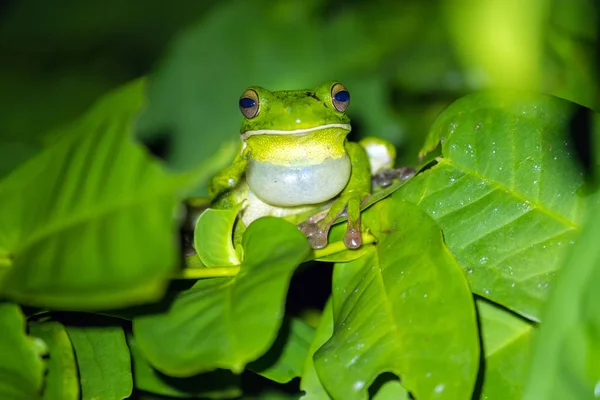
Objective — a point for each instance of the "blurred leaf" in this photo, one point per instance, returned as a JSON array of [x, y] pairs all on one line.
[[408, 310], [213, 385], [103, 360], [504, 193], [62, 381], [95, 215], [505, 53], [21, 365], [227, 322], [506, 343], [213, 237], [566, 360], [571, 42], [285, 359]]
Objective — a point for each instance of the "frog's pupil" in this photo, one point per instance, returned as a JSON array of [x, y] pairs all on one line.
[[247, 102], [342, 96]]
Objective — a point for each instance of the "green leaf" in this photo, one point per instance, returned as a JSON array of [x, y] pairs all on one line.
[[216, 384], [505, 193], [104, 363], [213, 237], [62, 381], [21, 365], [227, 322], [93, 226], [566, 360], [507, 347], [407, 309], [309, 382], [285, 359], [391, 390]]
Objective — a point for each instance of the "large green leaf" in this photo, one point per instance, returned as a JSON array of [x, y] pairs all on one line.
[[62, 381], [21, 365], [407, 309], [504, 193], [390, 390], [227, 322], [217, 384], [566, 361], [506, 343], [90, 222], [310, 383], [103, 360], [285, 359]]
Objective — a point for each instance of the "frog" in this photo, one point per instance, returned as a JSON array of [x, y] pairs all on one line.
[[295, 157]]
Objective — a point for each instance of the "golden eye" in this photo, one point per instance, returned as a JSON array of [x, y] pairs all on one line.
[[249, 104], [340, 97]]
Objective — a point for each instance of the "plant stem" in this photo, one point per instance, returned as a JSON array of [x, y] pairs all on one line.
[[338, 247], [219, 272], [211, 272]]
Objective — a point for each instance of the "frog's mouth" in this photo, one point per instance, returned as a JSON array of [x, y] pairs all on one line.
[[296, 132]]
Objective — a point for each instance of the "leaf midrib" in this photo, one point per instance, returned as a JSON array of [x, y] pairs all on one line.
[[88, 214], [534, 203], [508, 342]]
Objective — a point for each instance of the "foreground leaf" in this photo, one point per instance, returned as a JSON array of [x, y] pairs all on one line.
[[218, 384], [62, 381], [21, 365], [407, 309], [227, 322], [505, 193], [507, 348], [566, 361], [390, 390], [103, 360], [93, 214], [285, 359], [310, 383]]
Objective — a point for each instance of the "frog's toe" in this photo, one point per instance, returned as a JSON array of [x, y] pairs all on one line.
[[318, 241], [386, 177], [353, 238], [317, 236]]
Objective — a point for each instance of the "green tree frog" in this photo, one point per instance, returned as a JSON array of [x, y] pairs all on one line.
[[295, 157]]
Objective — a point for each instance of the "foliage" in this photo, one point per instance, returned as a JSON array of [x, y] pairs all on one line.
[[479, 278]]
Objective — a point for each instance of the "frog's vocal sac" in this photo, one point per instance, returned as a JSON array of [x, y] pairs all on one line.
[[295, 157]]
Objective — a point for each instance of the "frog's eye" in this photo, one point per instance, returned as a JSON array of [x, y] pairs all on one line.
[[249, 104], [340, 97]]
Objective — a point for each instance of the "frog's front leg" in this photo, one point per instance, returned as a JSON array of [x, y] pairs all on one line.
[[348, 203], [229, 178]]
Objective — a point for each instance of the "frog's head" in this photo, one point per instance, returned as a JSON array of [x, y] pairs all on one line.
[[294, 111], [293, 126]]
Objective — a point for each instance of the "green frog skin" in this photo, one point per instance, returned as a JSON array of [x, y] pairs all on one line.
[[295, 157]]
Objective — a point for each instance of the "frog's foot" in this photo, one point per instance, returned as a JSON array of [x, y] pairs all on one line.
[[317, 227], [386, 177]]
